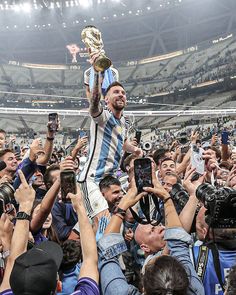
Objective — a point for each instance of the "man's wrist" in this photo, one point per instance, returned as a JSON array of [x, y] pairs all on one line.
[[25, 208]]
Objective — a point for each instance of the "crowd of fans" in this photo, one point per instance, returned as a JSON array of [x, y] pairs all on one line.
[[137, 220]]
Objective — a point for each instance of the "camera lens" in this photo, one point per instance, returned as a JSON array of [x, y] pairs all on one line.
[[7, 192], [205, 192]]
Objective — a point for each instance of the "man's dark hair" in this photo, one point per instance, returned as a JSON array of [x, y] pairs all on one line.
[[116, 83], [107, 181], [3, 131], [128, 160], [47, 175], [231, 282], [159, 154], [166, 273], [72, 254], [4, 152], [90, 26]]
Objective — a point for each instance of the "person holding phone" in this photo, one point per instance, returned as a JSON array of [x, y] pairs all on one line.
[[108, 137]]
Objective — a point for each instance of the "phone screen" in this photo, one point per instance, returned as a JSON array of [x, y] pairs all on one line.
[[82, 133], [138, 136], [143, 173], [53, 119], [68, 184], [225, 137]]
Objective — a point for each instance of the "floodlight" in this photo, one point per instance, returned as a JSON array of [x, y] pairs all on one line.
[[86, 3], [16, 8], [26, 7]]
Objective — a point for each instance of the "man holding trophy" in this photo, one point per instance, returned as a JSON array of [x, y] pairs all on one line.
[[108, 130]]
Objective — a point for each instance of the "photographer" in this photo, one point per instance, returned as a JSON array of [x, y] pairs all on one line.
[[164, 274]]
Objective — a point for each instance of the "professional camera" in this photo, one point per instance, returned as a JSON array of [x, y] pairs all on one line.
[[179, 196], [220, 204], [6, 196]]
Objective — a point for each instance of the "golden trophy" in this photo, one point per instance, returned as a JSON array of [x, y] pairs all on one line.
[[92, 38]]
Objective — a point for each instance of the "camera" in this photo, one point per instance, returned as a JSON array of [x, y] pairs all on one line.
[[179, 196], [220, 204], [6, 196]]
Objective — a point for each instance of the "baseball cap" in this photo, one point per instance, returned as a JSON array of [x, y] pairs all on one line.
[[35, 271]]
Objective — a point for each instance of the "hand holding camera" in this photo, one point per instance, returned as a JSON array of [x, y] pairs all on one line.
[[189, 183]]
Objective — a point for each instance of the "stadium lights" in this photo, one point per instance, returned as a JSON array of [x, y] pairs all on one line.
[[85, 3]]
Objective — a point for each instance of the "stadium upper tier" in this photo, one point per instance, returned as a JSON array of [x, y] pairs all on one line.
[[28, 85]]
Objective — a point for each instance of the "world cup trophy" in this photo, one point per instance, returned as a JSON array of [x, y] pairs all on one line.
[[92, 38]]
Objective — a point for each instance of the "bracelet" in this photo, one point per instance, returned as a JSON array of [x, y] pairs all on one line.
[[50, 138], [167, 199]]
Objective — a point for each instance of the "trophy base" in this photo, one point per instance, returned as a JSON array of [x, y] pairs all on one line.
[[102, 63]]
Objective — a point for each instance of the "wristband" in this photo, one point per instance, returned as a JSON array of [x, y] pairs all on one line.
[[50, 138], [167, 199], [23, 216]]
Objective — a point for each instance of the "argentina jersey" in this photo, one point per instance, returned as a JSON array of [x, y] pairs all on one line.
[[107, 136]]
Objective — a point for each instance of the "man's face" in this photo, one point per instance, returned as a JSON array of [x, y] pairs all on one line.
[[11, 162], [152, 238], [113, 194], [116, 98], [167, 167], [168, 182], [38, 179], [2, 140]]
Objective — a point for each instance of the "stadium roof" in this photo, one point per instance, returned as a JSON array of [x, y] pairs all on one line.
[[131, 29]]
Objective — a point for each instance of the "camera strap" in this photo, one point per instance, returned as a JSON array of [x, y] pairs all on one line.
[[202, 262], [145, 207], [216, 260]]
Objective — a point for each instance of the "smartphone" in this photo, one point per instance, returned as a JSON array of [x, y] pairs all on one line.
[[184, 149], [138, 136], [68, 184], [82, 133], [225, 137], [143, 173], [197, 161], [53, 119]]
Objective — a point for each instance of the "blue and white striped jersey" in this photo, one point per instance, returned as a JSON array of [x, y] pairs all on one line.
[[107, 135]]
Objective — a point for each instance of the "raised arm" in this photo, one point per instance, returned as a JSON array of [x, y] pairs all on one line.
[[94, 103], [89, 266], [49, 199], [25, 197], [48, 146]]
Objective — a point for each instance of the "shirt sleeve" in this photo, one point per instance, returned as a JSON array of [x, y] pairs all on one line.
[[7, 292], [178, 241], [111, 275], [86, 286], [102, 118], [86, 77]]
